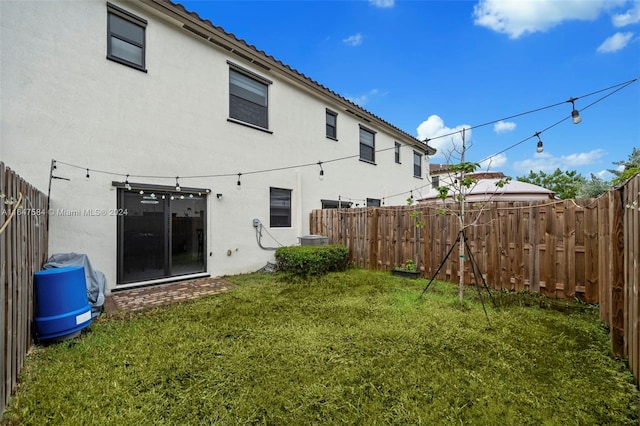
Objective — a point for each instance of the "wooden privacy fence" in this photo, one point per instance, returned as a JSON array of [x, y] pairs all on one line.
[[23, 251], [565, 249], [546, 247]]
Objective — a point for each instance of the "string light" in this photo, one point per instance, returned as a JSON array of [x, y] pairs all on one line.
[[239, 184], [540, 148], [87, 176], [177, 184], [126, 183], [575, 115], [321, 176]]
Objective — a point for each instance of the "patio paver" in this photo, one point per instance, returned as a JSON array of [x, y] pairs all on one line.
[[142, 298]]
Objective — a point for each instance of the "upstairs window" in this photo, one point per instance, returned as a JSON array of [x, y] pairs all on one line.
[[435, 181], [248, 98], [397, 152], [367, 145], [332, 122], [280, 208], [373, 202], [125, 37], [417, 164]]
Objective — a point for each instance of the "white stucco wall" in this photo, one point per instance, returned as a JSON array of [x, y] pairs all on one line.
[[60, 98]]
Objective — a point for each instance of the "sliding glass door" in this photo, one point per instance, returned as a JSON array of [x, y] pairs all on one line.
[[162, 234]]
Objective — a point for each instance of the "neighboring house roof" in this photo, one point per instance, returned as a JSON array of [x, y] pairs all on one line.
[[436, 169], [485, 190], [205, 29]]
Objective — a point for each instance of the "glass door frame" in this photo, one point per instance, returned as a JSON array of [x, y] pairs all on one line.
[[127, 187]]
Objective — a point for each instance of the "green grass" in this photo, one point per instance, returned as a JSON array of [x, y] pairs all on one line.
[[357, 347]]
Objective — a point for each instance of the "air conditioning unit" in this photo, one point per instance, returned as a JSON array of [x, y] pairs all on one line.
[[314, 240]]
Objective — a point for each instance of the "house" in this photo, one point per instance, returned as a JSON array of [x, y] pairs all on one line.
[[171, 148], [486, 187]]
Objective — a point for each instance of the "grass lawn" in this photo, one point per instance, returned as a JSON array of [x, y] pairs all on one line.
[[357, 347]]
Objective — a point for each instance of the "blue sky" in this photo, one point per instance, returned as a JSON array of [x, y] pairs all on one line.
[[432, 68]]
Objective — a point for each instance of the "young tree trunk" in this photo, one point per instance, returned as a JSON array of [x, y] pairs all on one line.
[[462, 262]]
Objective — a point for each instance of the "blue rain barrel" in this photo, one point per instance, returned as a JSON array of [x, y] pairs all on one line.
[[62, 308]]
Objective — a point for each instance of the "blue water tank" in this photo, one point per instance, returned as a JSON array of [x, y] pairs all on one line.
[[62, 308]]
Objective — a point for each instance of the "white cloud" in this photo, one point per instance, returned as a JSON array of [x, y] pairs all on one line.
[[354, 40], [615, 42], [517, 18], [548, 162], [433, 128], [382, 3], [363, 99], [504, 126], [493, 162], [632, 16]]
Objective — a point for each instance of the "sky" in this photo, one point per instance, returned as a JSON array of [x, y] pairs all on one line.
[[502, 70]]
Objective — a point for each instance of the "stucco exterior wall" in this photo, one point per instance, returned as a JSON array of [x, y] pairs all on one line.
[[61, 99]]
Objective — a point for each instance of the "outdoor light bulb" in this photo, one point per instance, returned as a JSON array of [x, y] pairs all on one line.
[[87, 176], [321, 177], [239, 184], [540, 148], [575, 116]]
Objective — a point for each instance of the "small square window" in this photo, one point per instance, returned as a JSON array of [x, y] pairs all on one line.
[[417, 164], [367, 145], [125, 37], [280, 208], [397, 152], [332, 125], [373, 202]]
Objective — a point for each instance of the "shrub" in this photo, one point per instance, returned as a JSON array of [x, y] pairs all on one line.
[[304, 261]]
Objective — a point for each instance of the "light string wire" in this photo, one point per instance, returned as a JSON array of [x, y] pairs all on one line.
[[623, 84], [618, 87]]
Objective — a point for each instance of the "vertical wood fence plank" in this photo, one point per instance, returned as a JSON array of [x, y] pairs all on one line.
[[591, 253], [604, 270], [617, 266]]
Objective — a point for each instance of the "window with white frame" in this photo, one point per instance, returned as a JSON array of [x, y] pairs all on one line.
[[280, 208], [248, 98], [367, 145], [397, 152], [417, 164], [125, 37]]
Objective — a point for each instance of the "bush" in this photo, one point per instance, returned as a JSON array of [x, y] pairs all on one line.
[[304, 261]]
